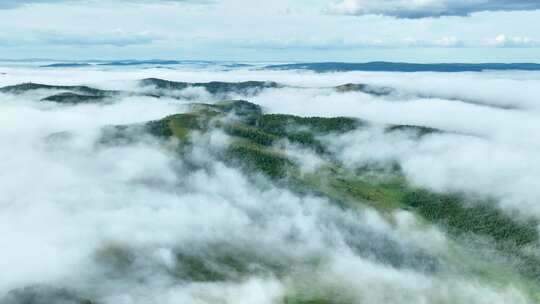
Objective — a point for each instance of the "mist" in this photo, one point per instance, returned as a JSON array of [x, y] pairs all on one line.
[[136, 223]]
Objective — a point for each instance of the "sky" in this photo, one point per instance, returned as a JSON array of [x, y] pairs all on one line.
[[278, 30]]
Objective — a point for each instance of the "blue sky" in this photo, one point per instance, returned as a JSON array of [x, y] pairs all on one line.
[[278, 30]]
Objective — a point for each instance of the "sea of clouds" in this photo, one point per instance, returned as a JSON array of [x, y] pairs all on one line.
[[110, 222]]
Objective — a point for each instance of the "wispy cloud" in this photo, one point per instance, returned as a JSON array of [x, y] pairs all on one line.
[[11, 4], [115, 38], [118, 38]]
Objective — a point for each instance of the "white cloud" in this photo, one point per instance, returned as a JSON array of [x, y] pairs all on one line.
[[117, 37], [513, 42], [449, 41], [112, 221], [443, 42], [427, 8], [11, 4], [224, 30]]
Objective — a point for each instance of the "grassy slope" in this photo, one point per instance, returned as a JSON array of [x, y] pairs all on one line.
[[255, 134]]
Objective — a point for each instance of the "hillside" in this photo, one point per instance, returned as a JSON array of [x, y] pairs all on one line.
[[224, 192], [255, 145]]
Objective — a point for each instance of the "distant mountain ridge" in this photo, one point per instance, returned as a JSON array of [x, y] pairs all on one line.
[[67, 65], [382, 66], [132, 62], [320, 67], [158, 88]]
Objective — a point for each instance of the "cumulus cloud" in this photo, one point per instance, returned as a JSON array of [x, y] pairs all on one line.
[[427, 8], [503, 40]]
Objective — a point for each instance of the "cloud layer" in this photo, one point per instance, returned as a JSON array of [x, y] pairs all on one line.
[[428, 8], [124, 223]]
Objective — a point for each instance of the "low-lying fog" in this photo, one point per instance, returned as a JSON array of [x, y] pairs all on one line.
[[109, 223]]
